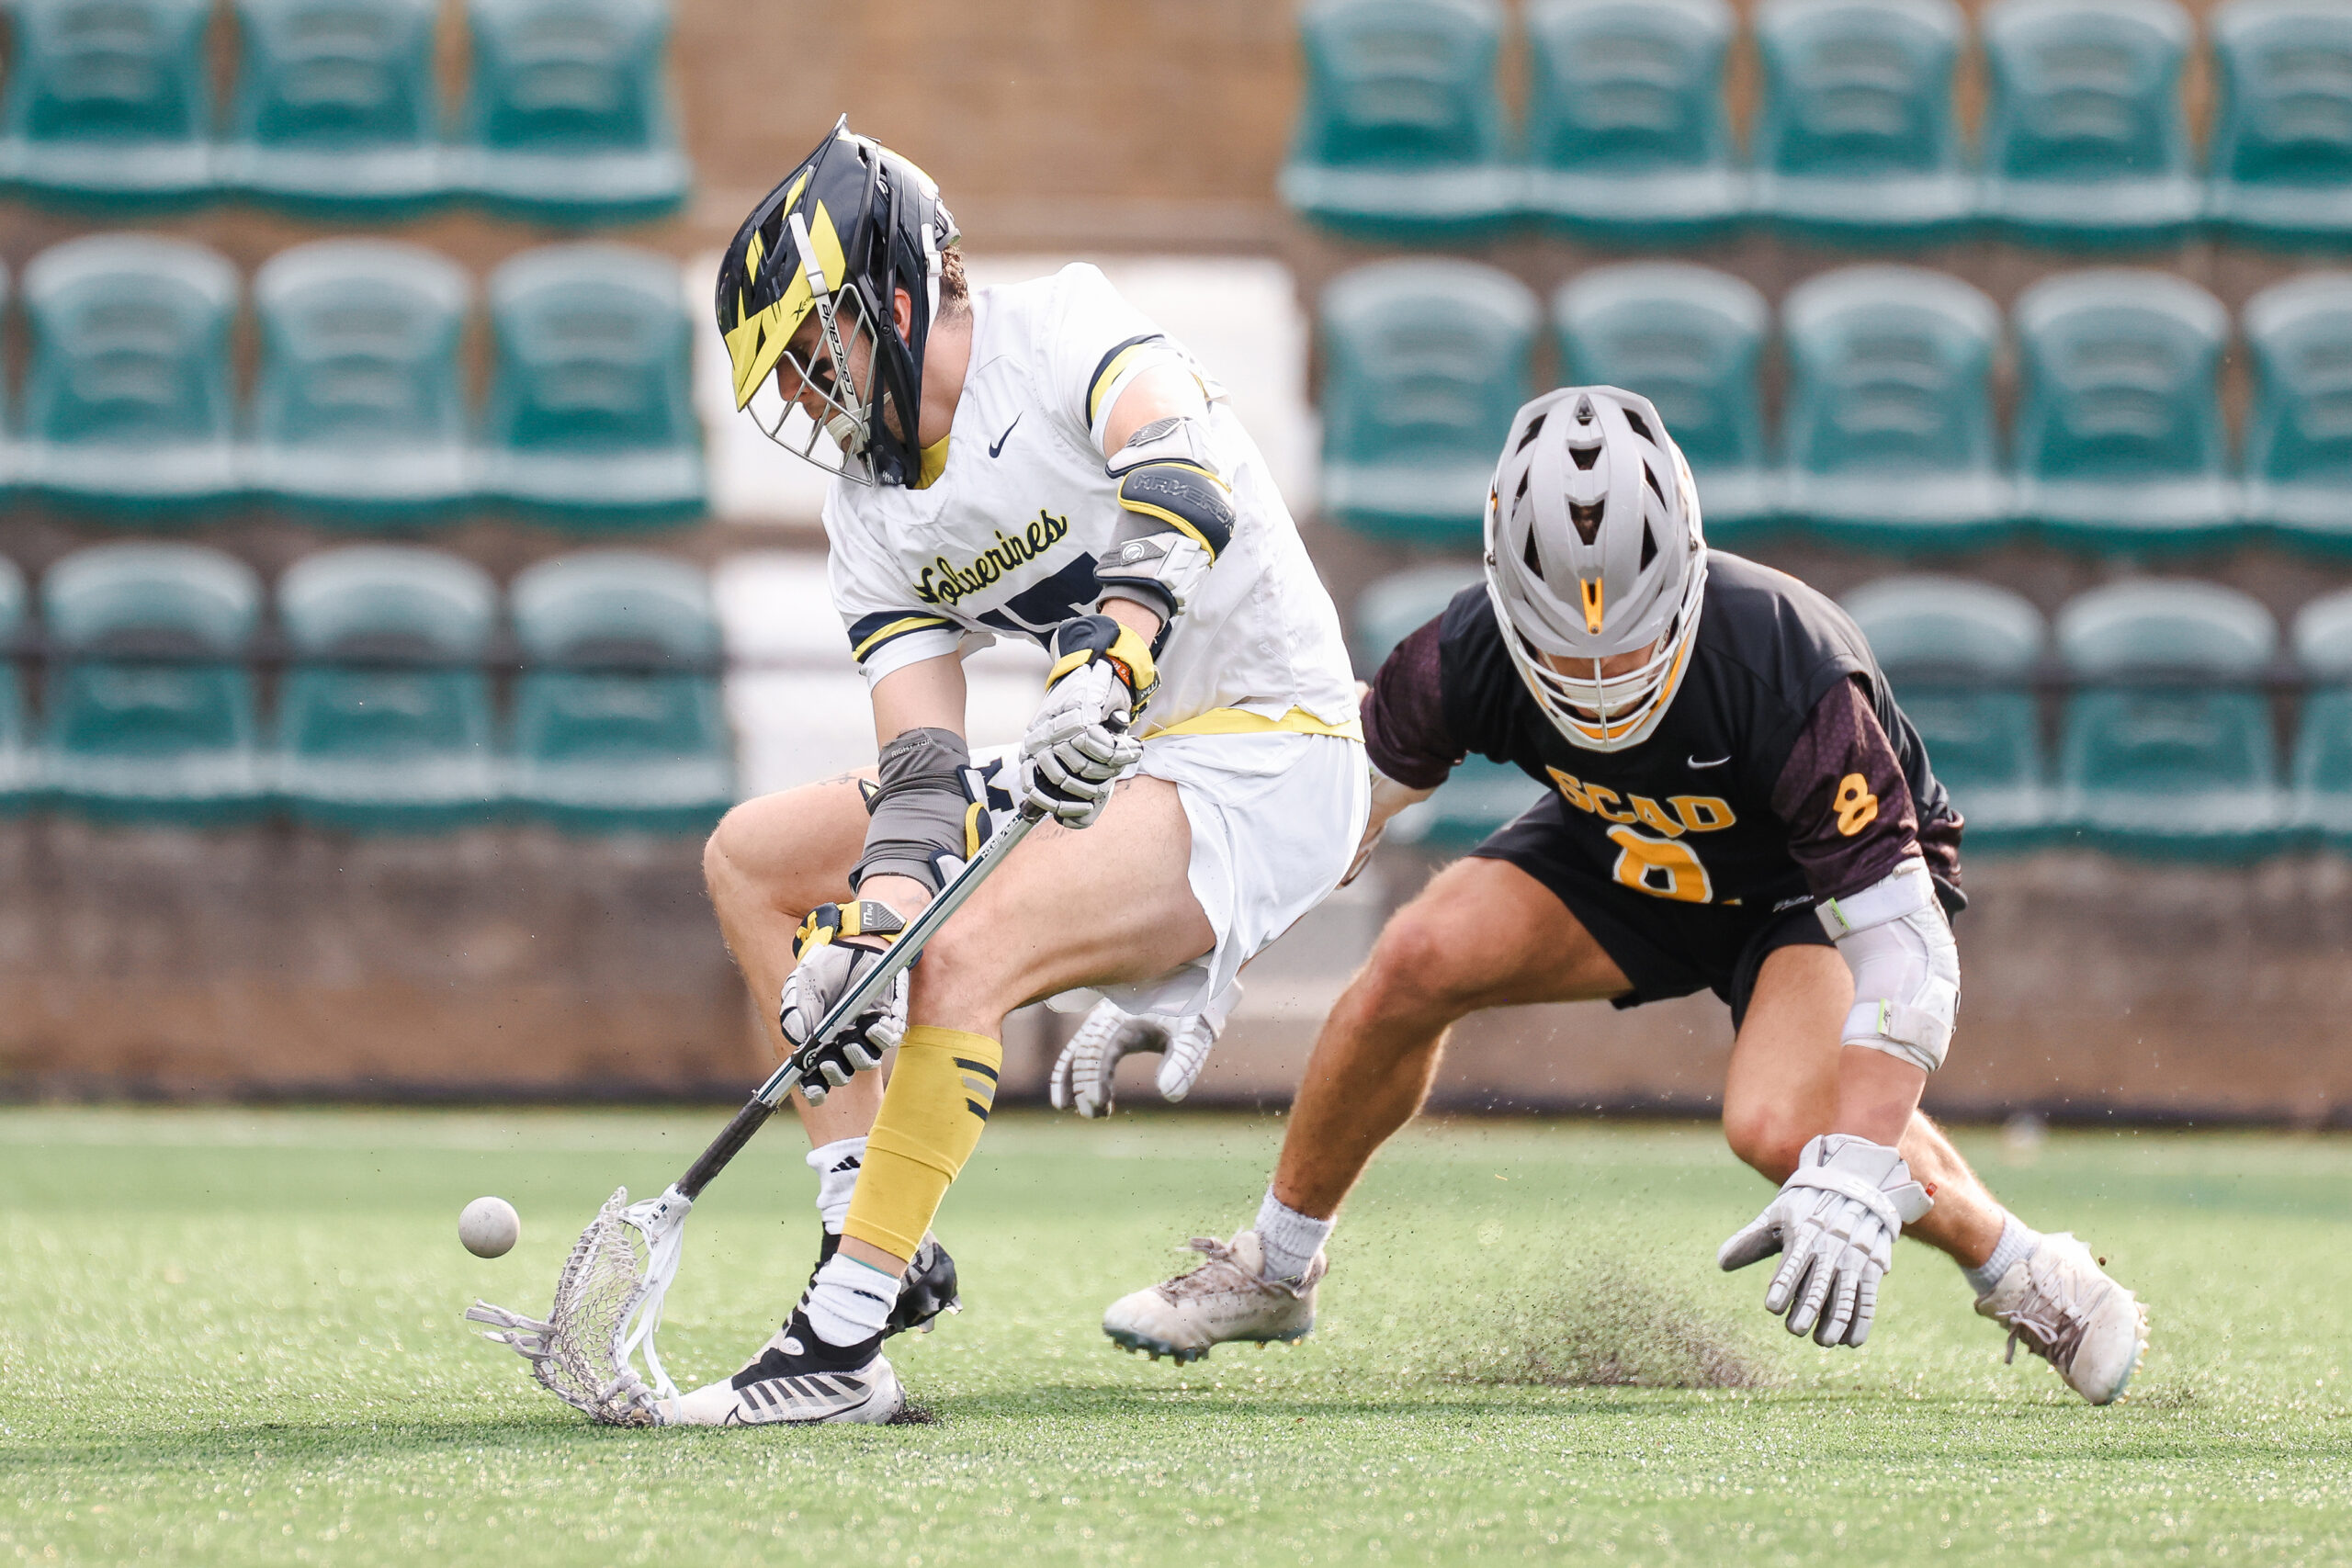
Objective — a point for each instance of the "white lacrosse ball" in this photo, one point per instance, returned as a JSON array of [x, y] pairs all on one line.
[[490, 1227]]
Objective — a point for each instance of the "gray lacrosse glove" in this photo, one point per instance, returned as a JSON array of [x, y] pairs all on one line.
[[1082, 739], [836, 946], [1837, 1219], [1082, 1074]]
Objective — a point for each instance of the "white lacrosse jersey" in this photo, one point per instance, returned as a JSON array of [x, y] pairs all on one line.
[[1004, 540]]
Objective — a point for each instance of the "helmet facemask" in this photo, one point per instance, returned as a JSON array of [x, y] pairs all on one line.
[[823, 367], [1596, 556]]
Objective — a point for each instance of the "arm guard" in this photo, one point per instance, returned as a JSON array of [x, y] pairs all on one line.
[[919, 813], [1176, 516], [1893, 936]]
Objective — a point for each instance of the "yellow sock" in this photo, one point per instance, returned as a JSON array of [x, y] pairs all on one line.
[[932, 1117]]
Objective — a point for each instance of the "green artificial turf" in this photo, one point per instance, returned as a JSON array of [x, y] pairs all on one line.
[[234, 1338]]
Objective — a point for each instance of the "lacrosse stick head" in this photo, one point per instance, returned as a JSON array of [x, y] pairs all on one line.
[[608, 1306]]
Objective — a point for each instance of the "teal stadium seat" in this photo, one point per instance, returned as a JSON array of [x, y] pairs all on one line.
[[1960, 657], [1856, 140], [571, 121], [337, 112], [1888, 426], [1628, 142], [2085, 136], [359, 415], [2168, 748], [384, 718], [1400, 132], [2323, 766], [590, 414], [2299, 433], [1424, 363], [128, 399], [109, 102], [2119, 440], [149, 712], [1690, 339], [2281, 155], [1481, 795], [19, 762], [633, 747]]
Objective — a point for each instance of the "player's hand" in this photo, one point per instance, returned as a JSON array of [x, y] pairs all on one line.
[[1082, 739], [1082, 1074], [838, 945], [1836, 1219]]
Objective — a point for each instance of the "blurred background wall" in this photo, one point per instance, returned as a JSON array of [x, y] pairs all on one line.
[[305, 821]]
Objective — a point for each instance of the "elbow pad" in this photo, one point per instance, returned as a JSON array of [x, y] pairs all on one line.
[[1893, 936], [1176, 516], [922, 813]]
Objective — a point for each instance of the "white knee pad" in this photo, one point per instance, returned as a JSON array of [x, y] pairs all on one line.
[[1893, 936]]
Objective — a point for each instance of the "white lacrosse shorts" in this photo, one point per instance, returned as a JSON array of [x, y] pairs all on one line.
[[1275, 818]]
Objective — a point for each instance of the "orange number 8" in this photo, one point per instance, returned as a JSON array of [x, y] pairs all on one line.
[[1856, 806]]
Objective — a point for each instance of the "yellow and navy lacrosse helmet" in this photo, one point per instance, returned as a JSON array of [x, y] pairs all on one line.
[[853, 222]]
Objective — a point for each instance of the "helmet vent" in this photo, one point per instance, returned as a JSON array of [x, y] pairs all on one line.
[[1649, 546], [1521, 494], [1584, 456], [1641, 427], [1534, 563], [1584, 411], [1651, 474], [1587, 517], [1534, 428]]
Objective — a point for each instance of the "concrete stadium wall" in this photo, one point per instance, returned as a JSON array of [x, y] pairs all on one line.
[[274, 962]]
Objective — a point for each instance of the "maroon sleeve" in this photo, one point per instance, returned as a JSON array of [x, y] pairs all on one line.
[[1843, 798], [1405, 730]]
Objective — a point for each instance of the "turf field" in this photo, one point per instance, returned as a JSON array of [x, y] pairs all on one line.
[[234, 1338]]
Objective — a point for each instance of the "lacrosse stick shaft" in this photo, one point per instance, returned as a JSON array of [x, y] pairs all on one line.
[[903, 951]]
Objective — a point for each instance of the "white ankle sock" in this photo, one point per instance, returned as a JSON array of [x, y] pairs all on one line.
[[836, 1167], [2016, 1245], [1291, 1239], [849, 1301]]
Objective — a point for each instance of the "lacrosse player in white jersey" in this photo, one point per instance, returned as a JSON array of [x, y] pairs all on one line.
[[1035, 461]]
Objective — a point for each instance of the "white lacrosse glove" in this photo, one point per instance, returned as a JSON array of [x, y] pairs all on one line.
[[1082, 738], [1082, 1081], [1837, 1219], [830, 965]]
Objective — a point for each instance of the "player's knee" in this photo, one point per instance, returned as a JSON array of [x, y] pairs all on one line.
[[1767, 1138], [1416, 968], [722, 854], [964, 973]]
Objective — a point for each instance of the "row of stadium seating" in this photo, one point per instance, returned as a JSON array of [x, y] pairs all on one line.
[[385, 717], [1888, 433], [337, 111], [359, 414], [2166, 745], [1627, 138]]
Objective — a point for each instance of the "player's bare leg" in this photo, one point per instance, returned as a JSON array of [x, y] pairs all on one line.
[[769, 862], [1484, 933]]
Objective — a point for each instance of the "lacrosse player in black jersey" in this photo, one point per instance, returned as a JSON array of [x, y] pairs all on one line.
[[1736, 804]]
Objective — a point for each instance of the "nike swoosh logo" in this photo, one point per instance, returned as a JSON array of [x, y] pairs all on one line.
[[998, 445], [1716, 763]]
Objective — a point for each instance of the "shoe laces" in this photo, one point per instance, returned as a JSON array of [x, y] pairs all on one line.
[[1219, 1271], [2050, 1322]]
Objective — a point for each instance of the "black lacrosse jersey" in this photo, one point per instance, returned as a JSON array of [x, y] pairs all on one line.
[[1698, 812]]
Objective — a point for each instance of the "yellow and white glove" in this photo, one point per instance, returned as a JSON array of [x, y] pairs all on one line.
[[1836, 1218], [1082, 738], [836, 945]]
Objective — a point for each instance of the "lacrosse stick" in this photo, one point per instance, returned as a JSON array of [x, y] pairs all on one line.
[[608, 1297]]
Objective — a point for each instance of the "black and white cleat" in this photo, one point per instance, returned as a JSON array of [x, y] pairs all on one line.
[[795, 1379]]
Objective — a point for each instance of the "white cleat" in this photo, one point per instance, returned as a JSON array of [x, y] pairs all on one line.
[[2060, 1304], [1226, 1298], [796, 1378]]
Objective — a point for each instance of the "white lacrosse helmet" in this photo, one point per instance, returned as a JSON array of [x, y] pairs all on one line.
[[1593, 549]]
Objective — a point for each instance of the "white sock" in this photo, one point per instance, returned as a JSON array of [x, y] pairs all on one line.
[[1291, 1239], [849, 1301], [836, 1167], [2016, 1244]]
